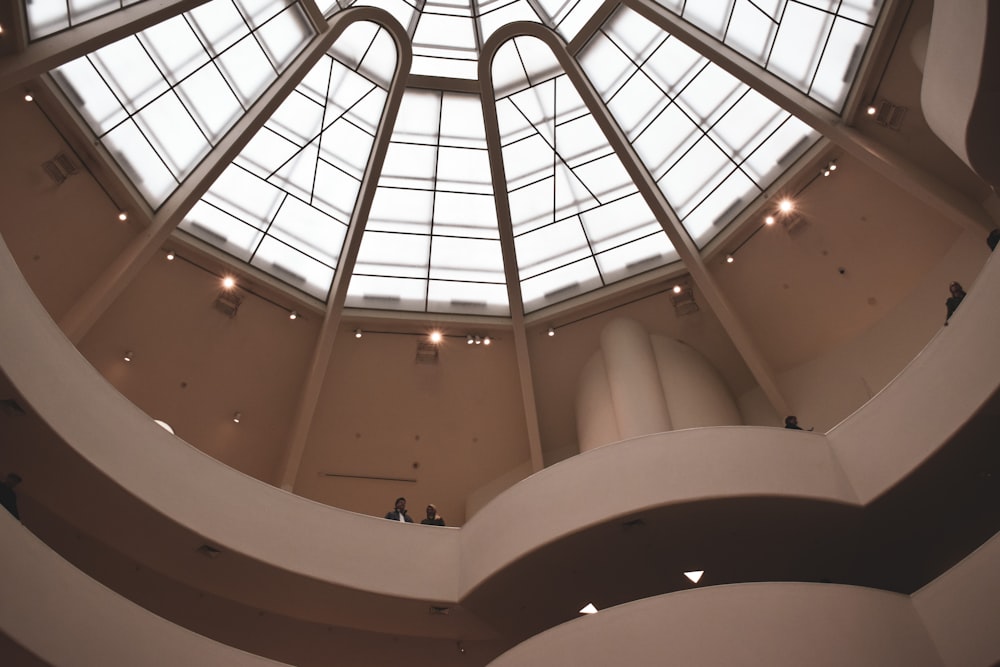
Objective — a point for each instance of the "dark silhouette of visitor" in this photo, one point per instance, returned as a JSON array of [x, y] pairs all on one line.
[[957, 294], [993, 239], [399, 512], [433, 518], [792, 422], [7, 496]]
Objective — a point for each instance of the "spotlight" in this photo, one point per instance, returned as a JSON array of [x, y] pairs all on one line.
[[123, 216], [487, 340], [470, 339], [357, 333], [237, 417], [293, 315], [730, 259], [769, 220], [229, 282], [28, 97], [786, 205], [170, 255], [677, 289], [436, 337], [128, 356], [551, 332], [829, 168], [871, 110], [479, 341]]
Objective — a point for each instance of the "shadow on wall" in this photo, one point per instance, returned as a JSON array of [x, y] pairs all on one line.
[[640, 383]]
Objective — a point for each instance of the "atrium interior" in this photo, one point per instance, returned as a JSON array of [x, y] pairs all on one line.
[[560, 269]]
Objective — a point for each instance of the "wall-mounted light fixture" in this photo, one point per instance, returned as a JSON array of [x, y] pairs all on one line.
[[237, 416]]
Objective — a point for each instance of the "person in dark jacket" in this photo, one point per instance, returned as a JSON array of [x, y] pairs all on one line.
[[433, 518], [399, 512], [957, 294]]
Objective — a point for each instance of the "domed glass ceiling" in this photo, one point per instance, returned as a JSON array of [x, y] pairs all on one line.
[[433, 241]]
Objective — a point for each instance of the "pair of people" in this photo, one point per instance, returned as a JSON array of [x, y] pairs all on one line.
[[398, 513]]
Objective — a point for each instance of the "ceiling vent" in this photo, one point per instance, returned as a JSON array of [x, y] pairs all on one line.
[[427, 353], [59, 168], [683, 301], [794, 224], [228, 303], [889, 115]]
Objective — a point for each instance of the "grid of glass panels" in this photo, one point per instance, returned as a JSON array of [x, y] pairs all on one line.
[[814, 45], [285, 203], [46, 17], [160, 100], [712, 143], [447, 35], [579, 221], [432, 242]]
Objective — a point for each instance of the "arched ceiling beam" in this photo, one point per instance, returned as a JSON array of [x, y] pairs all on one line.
[[117, 276], [671, 224], [316, 374]]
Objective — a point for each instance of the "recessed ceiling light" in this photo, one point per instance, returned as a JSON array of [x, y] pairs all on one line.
[[123, 216], [871, 110], [128, 356], [170, 255], [694, 575], [487, 340], [436, 337], [28, 97], [470, 339], [730, 259], [589, 609], [229, 282], [293, 315], [237, 416], [677, 289]]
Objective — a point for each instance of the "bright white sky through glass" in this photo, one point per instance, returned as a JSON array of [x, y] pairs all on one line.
[[711, 143], [285, 203], [158, 101], [579, 222], [432, 241]]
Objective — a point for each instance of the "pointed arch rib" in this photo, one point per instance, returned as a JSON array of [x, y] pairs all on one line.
[[654, 198]]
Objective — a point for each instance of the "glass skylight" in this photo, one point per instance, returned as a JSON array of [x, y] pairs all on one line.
[[711, 143], [579, 221], [815, 45], [432, 241], [46, 17], [285, 203], [160, 100]]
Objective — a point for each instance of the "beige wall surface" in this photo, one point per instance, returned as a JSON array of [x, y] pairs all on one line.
[[66, 618], [744, 624]]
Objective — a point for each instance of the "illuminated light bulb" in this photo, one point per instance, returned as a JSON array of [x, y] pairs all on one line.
[[436, 336], [470, 339], [357, 333], [769, 220], [128, 356], [293, 315], [229, 282], [170, 255], [28, 97], [833, 166], [551, 331], [123, 216], [730, 259], [487, 340], [786, 205], [677, 289], [871, 110], [237, 417]]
